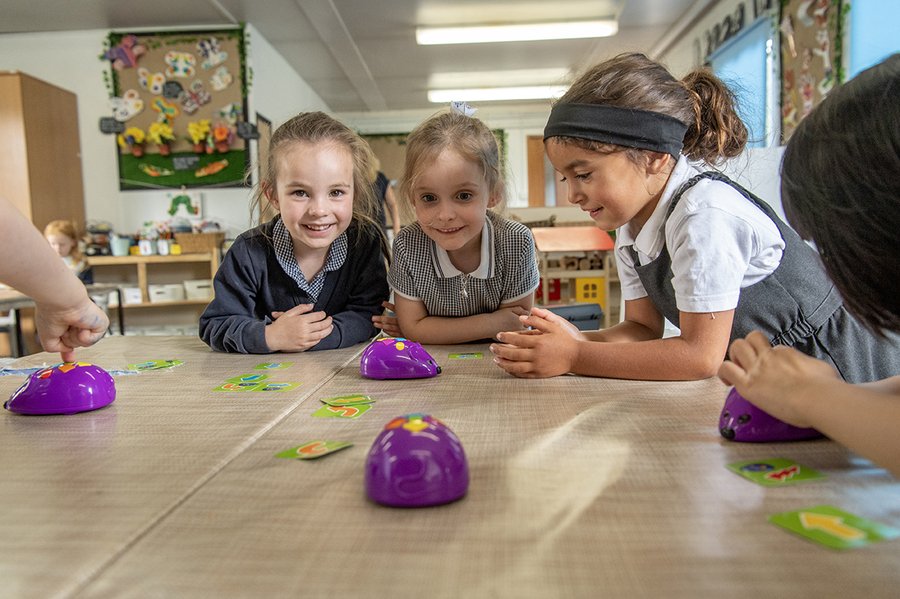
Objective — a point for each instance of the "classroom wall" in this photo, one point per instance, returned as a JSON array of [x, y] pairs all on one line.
[[70, 60], [518, 122], [686, 53]]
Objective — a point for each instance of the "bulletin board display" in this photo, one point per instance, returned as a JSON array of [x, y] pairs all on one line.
[[810, 57], [179, 99]]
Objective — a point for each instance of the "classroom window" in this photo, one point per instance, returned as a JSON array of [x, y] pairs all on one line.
[[746, 64], [872, 35]]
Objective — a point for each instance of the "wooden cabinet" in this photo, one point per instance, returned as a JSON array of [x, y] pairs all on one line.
[[41, 166]]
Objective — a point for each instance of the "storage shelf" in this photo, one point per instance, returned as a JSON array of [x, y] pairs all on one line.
[[125, 260], [202, 302], [160, 269]]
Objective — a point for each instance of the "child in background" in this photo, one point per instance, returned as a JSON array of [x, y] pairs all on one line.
[[312, 277], [387, 202], [461, 272], [849, 141], [691, 245], [65, 317], [64, 239]]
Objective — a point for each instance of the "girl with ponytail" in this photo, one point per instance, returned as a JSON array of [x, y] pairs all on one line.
[[637, 149]]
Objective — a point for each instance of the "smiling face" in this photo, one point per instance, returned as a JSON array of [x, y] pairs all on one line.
[[314, 194], [612, 188], [451, 198]]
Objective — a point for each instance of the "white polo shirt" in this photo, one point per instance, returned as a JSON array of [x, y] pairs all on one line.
[[719, 242]]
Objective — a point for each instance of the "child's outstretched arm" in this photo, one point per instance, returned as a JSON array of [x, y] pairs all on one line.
[[416, 323], [631, 350], [66, 316], [807, 392]]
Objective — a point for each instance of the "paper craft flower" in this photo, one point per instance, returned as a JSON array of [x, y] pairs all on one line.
[[198, 131], [132, 139], [222, 136], [161, 134]]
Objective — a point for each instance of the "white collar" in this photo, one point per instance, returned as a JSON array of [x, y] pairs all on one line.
[[650, 239], [445, 269]]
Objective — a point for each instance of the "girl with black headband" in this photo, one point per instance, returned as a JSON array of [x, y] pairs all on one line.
[[634, 146], [850, 141]]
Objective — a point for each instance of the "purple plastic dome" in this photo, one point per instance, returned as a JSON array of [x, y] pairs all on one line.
[[66, 388], [416, 461], [397, 358], [740, 420]]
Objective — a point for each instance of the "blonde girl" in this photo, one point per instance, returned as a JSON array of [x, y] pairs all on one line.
[[312, 277], [64, 239], [461, 272]]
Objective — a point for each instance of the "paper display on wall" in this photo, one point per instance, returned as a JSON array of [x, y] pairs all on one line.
[[179, 97]]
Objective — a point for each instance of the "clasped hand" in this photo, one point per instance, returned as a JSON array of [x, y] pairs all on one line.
[[297, 329], [548, 348]]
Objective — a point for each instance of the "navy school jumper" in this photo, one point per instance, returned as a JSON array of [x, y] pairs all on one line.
[[251, 284]]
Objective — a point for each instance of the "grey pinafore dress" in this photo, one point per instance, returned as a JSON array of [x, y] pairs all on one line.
[[797, 305]]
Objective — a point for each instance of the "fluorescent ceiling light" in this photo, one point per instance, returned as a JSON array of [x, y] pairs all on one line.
[[491, 94], [516, 33], [509, 78]]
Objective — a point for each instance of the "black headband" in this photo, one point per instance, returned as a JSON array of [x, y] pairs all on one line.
[[618, 126]]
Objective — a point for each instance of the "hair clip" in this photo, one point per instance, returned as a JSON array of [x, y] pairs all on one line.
[[462, 108]]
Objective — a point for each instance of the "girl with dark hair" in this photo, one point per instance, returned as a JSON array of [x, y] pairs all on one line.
[[636, 146], [841, 189]]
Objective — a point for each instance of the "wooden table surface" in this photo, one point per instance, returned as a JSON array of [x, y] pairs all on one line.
[[579, 487]]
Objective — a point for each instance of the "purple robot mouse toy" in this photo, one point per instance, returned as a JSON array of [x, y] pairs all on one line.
[[742, 421], [66, 388], [397, 358], [416, 461]]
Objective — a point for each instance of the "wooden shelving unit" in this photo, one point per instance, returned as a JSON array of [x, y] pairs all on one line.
[[146, 317], [141, 263]]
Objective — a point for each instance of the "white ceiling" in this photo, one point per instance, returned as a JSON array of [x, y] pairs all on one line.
[[361, 55]]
